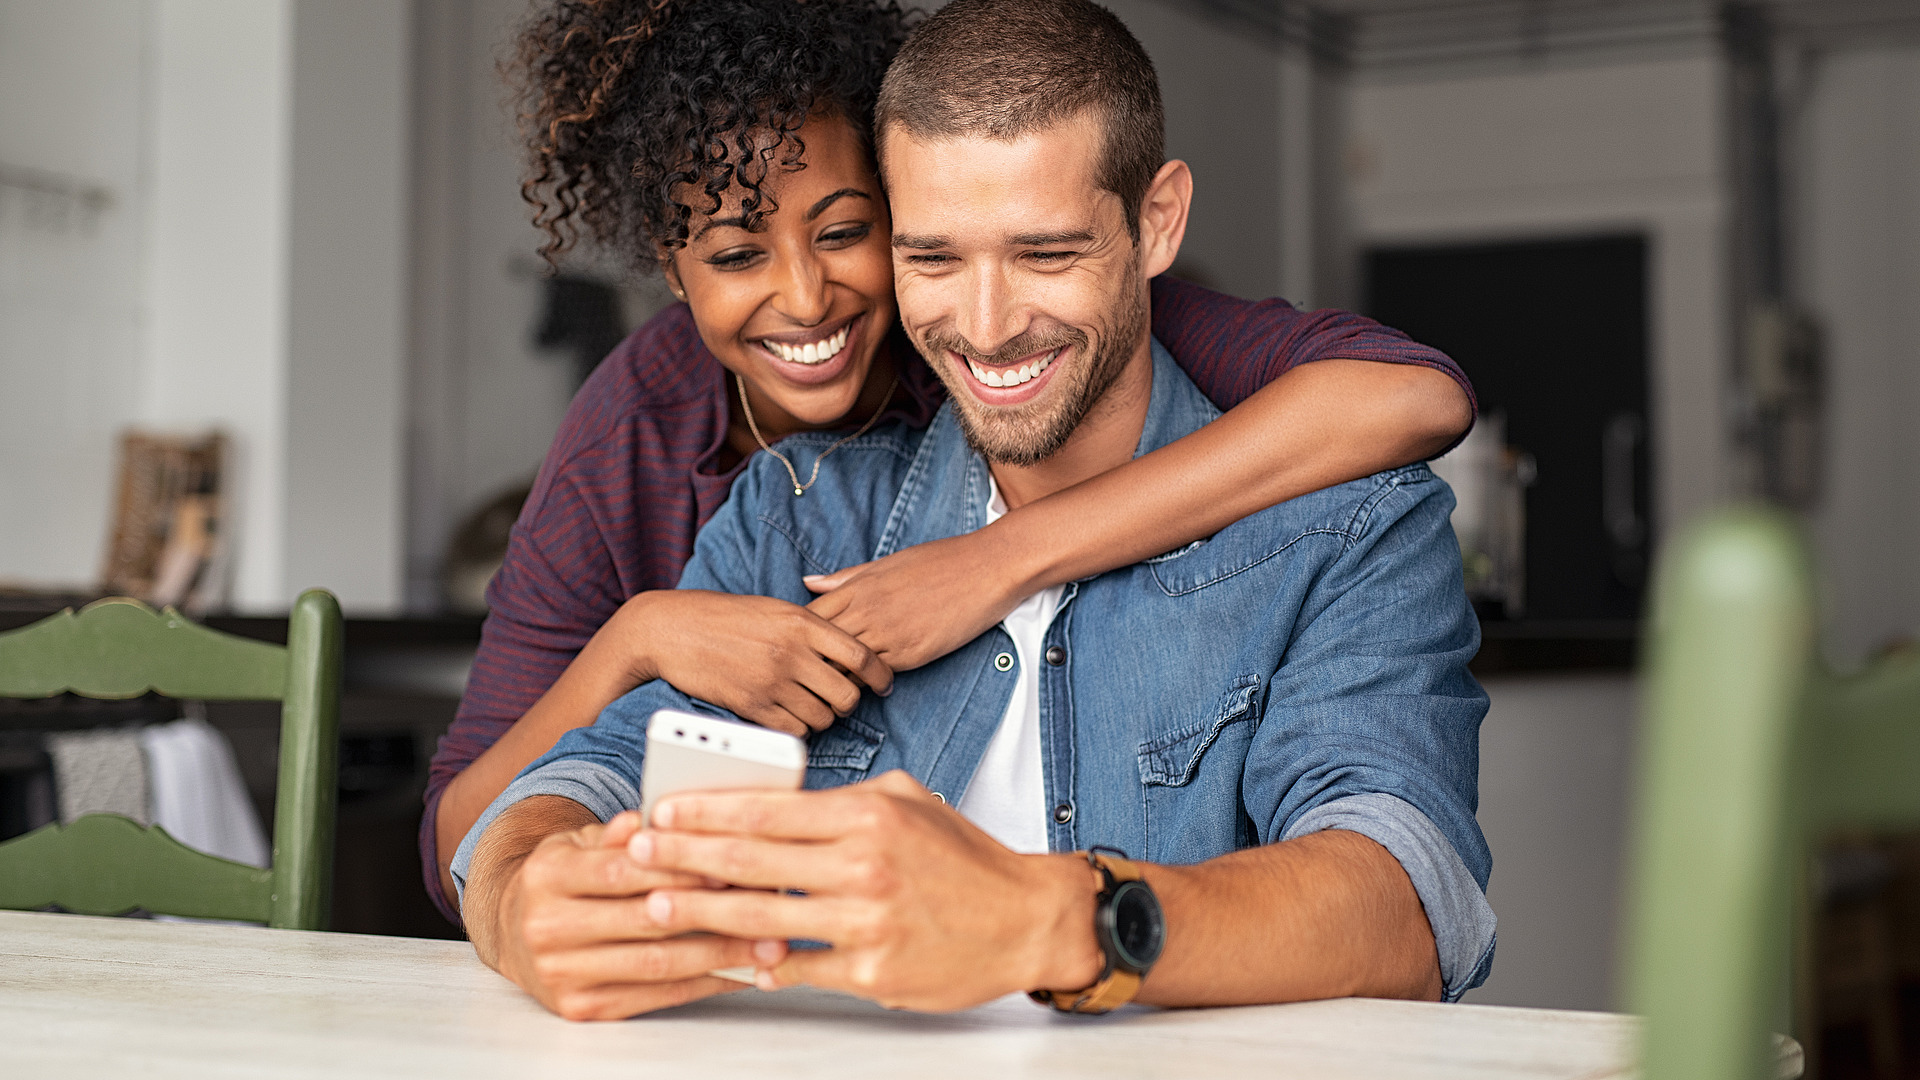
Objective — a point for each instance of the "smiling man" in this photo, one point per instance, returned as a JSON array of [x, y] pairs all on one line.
[[1267, 740]]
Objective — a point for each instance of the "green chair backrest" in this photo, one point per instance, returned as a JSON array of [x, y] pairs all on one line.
[[1751, 751], [105, 864]]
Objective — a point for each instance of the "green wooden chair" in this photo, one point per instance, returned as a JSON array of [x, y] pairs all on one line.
[[1751, 752], [105, 864]]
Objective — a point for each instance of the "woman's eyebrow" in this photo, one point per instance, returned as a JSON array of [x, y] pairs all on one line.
[[821, 206], [721, 223]]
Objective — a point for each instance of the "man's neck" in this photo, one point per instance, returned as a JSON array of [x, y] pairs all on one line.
[[1106, 438]]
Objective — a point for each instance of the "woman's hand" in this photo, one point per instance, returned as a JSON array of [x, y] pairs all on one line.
[[921, 603], [768, 661]]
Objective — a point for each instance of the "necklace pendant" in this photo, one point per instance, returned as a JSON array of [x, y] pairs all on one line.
[[799, 491]]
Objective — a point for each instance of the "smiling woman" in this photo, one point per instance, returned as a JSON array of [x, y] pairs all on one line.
[[727, 144]]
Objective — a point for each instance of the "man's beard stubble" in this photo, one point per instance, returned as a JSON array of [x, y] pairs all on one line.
[[1032, 432]]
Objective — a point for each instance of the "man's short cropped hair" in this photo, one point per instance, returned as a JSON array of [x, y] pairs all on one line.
[[1004, 68]]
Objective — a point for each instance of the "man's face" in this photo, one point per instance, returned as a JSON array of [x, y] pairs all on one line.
[[1016, 278]]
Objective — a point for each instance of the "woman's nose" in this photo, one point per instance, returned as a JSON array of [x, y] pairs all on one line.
[[803, 292]]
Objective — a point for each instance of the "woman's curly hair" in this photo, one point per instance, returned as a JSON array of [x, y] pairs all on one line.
[[628, 106]]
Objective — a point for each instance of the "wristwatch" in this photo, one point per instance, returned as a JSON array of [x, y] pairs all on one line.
[[1128, 924]]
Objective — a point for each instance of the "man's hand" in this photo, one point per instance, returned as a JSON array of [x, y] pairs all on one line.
[[568, 920], [776, 664], [923, 910], [921, 603]]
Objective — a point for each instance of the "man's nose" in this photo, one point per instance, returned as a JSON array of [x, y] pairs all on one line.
[[803, 295], [987, 318]]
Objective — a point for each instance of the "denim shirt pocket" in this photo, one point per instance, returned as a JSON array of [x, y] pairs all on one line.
[[1173, 758], [1231, 551], [843, 753]]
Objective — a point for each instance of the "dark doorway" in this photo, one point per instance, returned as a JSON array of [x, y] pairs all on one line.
[[1554, 336]]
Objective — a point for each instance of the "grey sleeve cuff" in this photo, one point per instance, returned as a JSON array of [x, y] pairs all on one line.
[[594, 786], [1457, 909]]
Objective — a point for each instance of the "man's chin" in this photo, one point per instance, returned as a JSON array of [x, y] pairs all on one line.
[[1020, 438]]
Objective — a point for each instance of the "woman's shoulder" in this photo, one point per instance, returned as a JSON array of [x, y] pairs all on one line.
[[663, 363], [659, 375]]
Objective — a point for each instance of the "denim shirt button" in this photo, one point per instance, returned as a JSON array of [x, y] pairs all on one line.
[[1063, 813], [1056, 655], [1003, 662]]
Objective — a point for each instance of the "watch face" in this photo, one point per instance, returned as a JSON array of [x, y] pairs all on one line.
[[1138, 928]]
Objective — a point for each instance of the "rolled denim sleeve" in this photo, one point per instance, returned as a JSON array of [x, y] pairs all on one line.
[[1457, 910], [601, 790], [1373, 697]]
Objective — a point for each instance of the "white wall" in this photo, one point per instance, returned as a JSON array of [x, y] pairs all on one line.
[[1860, 248], [1556, 763], [214, 288], [1570, 150], [348, 250], [69, 297], [248, 276]]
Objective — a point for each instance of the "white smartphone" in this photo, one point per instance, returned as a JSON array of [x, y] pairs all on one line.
[[687, 752]]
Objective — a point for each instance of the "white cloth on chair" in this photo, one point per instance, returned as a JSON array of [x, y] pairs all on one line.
[[99, 772], [198, 796]]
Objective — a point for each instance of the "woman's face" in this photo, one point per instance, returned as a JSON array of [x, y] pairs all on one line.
[[797, 307]]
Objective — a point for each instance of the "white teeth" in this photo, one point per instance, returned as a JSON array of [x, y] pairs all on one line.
[[1021, 374], [813, 352]]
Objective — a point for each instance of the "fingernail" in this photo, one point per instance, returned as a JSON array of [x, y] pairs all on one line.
[[768, 951], [663, 816], [763, 980], [659, 907], [640, 848], [813, 577]]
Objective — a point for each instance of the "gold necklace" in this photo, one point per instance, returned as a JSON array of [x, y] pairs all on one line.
[[798, 487]]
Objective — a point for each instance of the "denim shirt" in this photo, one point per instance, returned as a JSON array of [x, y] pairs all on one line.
[[1302, 669]]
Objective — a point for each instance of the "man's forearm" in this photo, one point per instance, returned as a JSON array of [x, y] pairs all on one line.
[[497, 857], [607, 667], [1331, 914]]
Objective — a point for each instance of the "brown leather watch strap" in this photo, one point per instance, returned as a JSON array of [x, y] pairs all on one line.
[[1114, 988]]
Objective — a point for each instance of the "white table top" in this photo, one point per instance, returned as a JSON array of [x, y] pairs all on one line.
[[82, 997]]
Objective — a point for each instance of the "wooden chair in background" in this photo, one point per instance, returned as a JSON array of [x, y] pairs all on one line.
[[1751, 754], [105, 864]]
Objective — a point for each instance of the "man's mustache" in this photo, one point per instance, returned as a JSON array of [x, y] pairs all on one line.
[[1015, 350]]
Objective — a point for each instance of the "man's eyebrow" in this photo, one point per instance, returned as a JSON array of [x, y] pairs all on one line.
[[1049, 239], [821, 206], [920, 242]]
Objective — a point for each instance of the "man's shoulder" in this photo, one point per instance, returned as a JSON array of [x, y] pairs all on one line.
[[1317, 528]]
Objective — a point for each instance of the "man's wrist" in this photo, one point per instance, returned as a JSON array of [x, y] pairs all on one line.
[[1066, 952]]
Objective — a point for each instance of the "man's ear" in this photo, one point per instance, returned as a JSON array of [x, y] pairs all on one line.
[[1163, 217]]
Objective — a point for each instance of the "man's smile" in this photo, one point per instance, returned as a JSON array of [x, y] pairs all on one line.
[[1009, 384]]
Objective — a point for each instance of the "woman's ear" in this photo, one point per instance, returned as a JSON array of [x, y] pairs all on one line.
[[671, 271]]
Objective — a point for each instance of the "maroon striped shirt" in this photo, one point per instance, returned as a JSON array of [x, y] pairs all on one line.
[[632, 475]]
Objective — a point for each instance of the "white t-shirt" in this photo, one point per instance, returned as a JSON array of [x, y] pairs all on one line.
[[1008, 794]]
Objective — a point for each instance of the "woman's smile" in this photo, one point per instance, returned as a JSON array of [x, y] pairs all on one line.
[[817, 355]]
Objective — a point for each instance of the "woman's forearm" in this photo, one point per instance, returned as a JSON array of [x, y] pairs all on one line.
[[1320, 424]]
